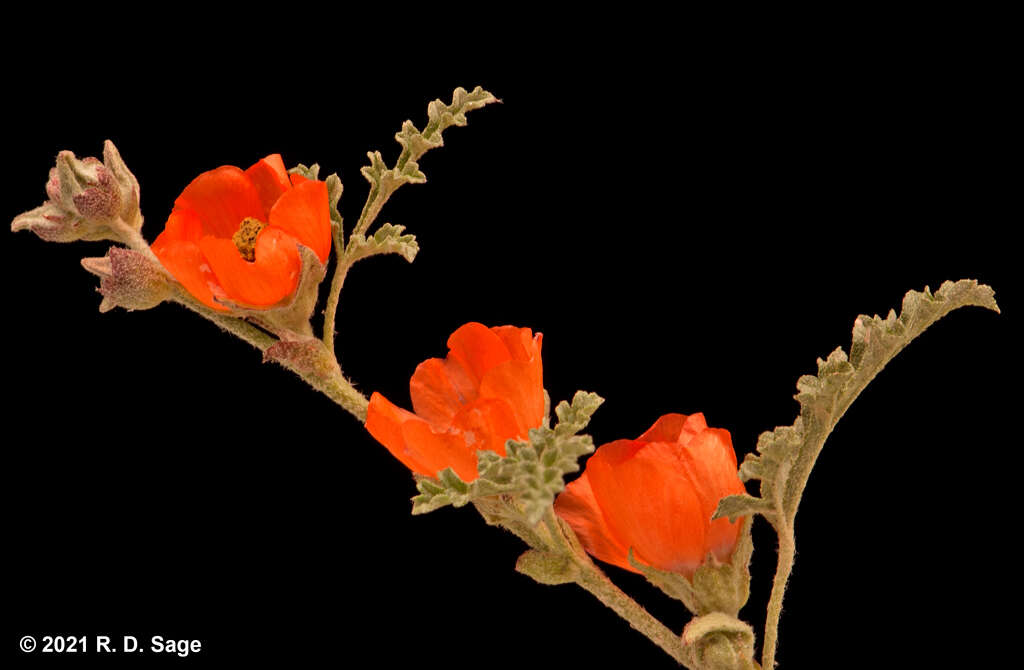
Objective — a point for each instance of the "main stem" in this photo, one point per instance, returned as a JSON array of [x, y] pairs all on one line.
[[602, 588], [787, 554]]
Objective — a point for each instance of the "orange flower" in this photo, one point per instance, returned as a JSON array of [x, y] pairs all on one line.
[[232, 235], [656, 495], [488, 390]]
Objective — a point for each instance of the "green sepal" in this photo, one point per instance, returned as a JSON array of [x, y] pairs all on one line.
[[786, 455], [725, 587], [548, 567], [533, 471], [715, 586], [311, 172], [672, 584], [389, 239]]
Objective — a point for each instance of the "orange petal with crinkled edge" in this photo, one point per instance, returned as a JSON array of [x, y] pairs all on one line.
[[518, 384], [384, 421], [303, 213], [648, 504], [268, 280], [710, 463], [580, 509], [270, 179], [439, 390], [477, 349], [222, 198]]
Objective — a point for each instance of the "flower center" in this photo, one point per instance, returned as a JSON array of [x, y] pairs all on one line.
[[245, 237]]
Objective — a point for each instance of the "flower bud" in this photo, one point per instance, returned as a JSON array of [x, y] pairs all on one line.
[[128, 279], [88, 199]]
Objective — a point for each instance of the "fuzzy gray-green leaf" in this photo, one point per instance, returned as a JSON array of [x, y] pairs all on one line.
[[786, 455], [389, 239], [385, 180], [533, 472]]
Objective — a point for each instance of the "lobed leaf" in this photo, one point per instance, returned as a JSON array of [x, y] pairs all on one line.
[[389, 239], [786, 455], [385, 180]]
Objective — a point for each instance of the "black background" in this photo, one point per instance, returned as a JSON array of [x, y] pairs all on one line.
[[690, 216]]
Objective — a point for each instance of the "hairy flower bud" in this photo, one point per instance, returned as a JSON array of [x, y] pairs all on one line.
[[128, 279], [88, 200]]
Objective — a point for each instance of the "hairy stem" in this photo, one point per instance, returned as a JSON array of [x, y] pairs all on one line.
[[341, 266], [562, 539], [340, 390], [371, 209], [597, 584], [787, 554], [237, 327]]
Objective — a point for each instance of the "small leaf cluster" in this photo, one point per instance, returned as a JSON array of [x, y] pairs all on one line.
[[532, 471]]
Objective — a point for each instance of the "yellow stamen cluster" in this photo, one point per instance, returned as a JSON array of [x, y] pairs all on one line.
[[245, 237]]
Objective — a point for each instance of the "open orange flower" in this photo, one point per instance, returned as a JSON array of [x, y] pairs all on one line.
[[488, 390], [232, 235], [656, 495]]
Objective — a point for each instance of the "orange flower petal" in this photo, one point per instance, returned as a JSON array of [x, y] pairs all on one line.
[[486, 424], [522, 345], [182, 225], [186, 263], [648, 504], [438, 451], [709, 461], [297, 179], [477, 349], [222, 198], [303, 213], [270, 179], [516, 382], [580, 509], [268, 280], [384, 421], [439, 390], [665, 429]]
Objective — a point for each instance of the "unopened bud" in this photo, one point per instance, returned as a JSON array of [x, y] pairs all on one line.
[[718, 641], [128, 279], [126, 183], [88, 200]]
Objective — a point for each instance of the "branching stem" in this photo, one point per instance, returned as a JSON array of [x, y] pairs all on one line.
[[341, 266], [335, 386]]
